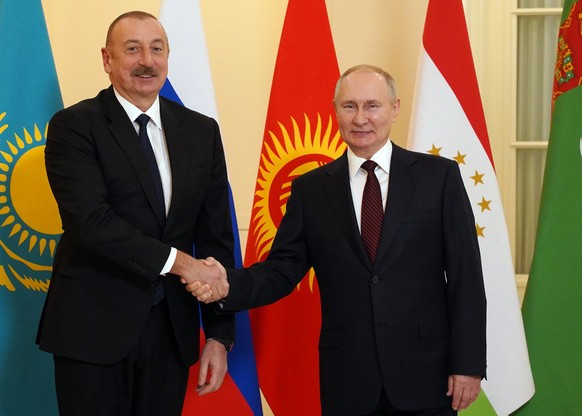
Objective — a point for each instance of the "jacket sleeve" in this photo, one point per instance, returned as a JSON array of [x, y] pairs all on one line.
[[276, 277], [465, 287]]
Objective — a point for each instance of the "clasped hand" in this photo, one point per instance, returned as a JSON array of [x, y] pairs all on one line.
[[205, 279], [208, 282]]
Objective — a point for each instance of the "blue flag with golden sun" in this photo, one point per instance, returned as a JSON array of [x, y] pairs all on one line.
[[29, 222]]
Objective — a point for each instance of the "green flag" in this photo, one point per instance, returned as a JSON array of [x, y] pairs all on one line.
[[552, 308], [29, 222]]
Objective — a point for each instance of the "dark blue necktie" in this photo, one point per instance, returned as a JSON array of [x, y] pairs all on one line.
[[372, 211], [143, 120]]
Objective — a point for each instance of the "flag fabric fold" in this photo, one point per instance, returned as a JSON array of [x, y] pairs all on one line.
[[190, 83], [448, 120], [30, 225], [300, 134], [552, 306]]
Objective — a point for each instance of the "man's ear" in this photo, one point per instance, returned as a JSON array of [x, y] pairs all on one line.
[[105, 56], [396, 108]]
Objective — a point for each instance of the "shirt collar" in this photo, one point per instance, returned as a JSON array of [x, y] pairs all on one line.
[[381, 157], [133, 112]]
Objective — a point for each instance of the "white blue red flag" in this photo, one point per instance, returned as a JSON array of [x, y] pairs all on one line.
[[190, 83]]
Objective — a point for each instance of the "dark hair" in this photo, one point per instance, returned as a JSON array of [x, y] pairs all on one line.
[[136, 14]]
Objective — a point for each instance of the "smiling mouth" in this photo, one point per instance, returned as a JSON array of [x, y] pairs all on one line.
[[144, 73]]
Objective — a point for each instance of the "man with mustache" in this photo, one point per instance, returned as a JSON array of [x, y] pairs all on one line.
[[139, 181]]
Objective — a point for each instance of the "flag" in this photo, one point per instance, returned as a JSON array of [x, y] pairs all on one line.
[[300, 134], [448, 120], [190, 83], [30, 225], [552, 305]]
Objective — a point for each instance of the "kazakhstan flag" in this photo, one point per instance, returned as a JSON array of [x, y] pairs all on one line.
[[29, 222]]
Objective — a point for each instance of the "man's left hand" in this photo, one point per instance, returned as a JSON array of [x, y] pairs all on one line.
[[213, 367], [464, 390]]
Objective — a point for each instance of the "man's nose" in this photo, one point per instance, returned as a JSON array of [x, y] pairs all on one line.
[[360, 117], [146, 58]]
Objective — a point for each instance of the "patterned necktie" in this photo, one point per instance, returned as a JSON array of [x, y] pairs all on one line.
[[372, 212], [143, 120]]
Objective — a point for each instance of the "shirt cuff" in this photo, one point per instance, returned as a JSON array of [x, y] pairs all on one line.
[[170, 261]]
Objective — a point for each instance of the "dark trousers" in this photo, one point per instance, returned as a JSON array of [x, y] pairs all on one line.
[[385, 408], [150, 381]]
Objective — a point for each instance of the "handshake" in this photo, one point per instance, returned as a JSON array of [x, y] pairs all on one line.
[[204, 279]]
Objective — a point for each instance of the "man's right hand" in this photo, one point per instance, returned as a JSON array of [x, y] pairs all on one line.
[[205, 279]]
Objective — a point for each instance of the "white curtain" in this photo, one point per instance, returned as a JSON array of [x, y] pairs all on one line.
[[536, 53]]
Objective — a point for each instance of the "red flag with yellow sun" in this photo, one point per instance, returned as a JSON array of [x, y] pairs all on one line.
[[301, 134]]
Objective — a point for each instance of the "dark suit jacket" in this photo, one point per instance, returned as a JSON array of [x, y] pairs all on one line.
[[408, 321], [115, 243]]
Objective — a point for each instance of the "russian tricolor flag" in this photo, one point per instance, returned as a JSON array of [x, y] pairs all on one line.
[[190, 83]]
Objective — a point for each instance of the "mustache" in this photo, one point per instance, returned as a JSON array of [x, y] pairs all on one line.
[[144, 71]]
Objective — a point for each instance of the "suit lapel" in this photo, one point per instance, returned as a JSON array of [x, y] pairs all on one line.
[[124, 133], [337, 189], [400, 189], [178, 150]]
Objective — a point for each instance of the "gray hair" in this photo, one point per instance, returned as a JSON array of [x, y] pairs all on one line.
[[389, 80]]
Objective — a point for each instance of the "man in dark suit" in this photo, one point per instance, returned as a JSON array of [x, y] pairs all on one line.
[[403, 324], [122, 329]]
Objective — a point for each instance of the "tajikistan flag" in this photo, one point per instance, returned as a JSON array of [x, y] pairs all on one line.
[[448, 120]]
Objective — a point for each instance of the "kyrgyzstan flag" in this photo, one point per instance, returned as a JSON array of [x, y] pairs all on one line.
[[300, 134], [448, 120]]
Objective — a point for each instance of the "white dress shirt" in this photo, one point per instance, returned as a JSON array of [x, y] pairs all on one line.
[[158, 142]]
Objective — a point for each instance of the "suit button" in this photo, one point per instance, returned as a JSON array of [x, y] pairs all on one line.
[[375, 279]]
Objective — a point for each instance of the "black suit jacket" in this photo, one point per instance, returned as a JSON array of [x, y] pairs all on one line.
[[115, 242], [408, 321]]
